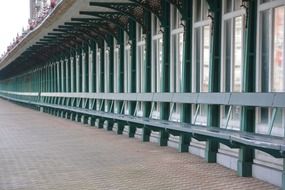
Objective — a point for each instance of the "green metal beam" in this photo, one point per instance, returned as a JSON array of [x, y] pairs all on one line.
[[213, 118], [246, 155]]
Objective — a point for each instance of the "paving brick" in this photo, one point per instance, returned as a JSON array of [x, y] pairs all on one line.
[[42, 152]]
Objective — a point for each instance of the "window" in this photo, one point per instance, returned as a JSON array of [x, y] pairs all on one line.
[[201, 56], [270, 62], [107, 69], [270, 70], [177, 45], [157, 43], [116, 73], [232, 59], [98, 69], [127, 70], [116, 66], [141, 53]]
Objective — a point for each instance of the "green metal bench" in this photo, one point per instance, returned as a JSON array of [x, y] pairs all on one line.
[[272, 145]]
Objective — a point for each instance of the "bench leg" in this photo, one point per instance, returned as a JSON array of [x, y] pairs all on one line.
[[72, 116], [84, 119], [244, 167], [120, 128], [91, 121], [100, 124], [184, 142], [67, 115], [58, 113], [110, 125], [78, 117], [132, 131], [211, 151], [146, 134], [163, 139], [62, 114]]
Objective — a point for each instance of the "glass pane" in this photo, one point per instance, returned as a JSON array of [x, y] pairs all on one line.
[[159, 77], [205, 10], [235, 118], [139, 63], [198, 10], [206, 58], [278, 50], [174, 17], [175, 62], [265, 51], [180, 62], [197, 58], [154, 67], [278, 129], [237, 4], [139, 37], [228, 6], [237, 53], [264, 1], [228, 55]]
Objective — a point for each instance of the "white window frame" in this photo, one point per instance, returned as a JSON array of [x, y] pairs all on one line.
[[233, 123], [155, 74], [261, 157], [200, 119]]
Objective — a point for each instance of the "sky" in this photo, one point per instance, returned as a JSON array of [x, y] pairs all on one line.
[[14, 15]]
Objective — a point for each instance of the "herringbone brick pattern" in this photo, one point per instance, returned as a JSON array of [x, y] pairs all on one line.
[[41, 152]]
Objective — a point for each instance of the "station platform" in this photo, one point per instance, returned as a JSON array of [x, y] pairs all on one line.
[[41, 152]]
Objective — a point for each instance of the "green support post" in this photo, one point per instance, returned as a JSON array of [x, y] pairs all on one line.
[[78, 71], [246, 154], [120, 128], [132, 37], [72, 79], [146, 132], [165, 68], [184, 139], [85, 81], [213, 118], [132, 130], [110, 125], [92, 76], [100, 124], [148, 50]]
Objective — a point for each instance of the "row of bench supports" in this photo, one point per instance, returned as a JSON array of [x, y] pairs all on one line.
[[184, 139]]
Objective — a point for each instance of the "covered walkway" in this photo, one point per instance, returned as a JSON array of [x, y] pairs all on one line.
[[39, 151]]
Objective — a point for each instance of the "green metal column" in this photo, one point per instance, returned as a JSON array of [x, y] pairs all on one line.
[[85, 86], [101, 79], [92, 67], [121, 74], [213, 118], [58, 70], [62, 65], [67, 74], [133, 81], [78, 80], [72, 77], [246, 155], [92, 76], [54, 77], [78, 71], [165, 70], [72, 74], [184, 139], [147, 76], [111, 77]]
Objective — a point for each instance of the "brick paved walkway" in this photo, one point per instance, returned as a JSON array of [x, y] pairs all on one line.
[[39, 151]]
